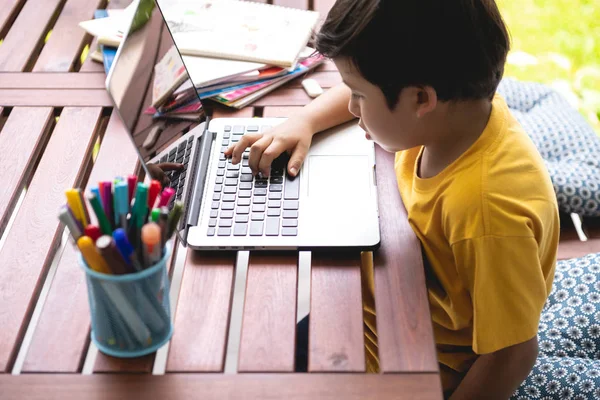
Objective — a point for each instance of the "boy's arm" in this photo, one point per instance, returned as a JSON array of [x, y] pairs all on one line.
[[295, 134], [328, 110], [497, 375]]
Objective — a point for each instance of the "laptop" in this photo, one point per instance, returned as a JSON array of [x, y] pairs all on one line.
[[331, 204]]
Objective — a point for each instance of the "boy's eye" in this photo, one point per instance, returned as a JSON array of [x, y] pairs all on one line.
[[356, 96]]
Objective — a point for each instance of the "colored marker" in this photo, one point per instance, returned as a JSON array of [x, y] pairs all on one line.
[[165, 197], [107, 201], [91, 256], [153, 192], [174, 217], [84, 206], [107, 249], [70, 222], [131, 184], [154, 215], [76, 207], [105, 226], [93, 232], [125, 248], [140, 207], [151, 242], [121, 204], [163, 224], [101, 190], [96, 191]]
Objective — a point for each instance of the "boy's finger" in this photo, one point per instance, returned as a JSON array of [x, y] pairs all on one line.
[[297, 159], [256, 151], [247, 140], [271, 153], [170, 166]]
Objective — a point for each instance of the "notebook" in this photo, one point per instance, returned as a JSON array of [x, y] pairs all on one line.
[[240, 30]]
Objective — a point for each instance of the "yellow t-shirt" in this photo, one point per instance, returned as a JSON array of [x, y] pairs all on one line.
[[489, 229]]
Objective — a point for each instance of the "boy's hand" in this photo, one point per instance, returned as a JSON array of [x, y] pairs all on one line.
[[157, 171], [293, 136]]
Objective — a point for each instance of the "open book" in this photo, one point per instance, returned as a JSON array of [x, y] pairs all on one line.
[[240, 30]]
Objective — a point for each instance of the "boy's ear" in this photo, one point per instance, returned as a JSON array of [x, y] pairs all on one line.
[[426, 100]]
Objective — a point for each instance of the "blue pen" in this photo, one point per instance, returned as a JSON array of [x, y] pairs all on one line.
[[126, 249], [96, 191], [121, 200]]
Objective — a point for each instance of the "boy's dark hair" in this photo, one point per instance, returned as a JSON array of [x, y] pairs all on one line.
[[458, 47]]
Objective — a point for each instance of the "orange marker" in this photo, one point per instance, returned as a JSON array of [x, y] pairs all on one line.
[[151, 239]]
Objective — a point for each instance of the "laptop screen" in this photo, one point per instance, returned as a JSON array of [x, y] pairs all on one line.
[[150, 85]]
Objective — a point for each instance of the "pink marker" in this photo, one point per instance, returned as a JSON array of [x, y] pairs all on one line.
[[165, 197]]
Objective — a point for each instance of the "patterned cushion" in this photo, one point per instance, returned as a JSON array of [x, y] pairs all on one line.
[[568, 144], [568, 365]]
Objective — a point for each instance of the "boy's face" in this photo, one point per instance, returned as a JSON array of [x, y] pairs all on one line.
[[402, 128]]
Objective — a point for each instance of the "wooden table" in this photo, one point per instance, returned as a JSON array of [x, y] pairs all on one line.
[[234, 314]]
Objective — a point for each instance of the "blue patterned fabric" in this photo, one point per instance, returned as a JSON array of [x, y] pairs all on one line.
[[567, 143], [568, 365]]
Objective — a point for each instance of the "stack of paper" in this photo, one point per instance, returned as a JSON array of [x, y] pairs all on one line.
[[260, 47]]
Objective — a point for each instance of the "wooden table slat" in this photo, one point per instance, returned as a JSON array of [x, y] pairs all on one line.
[[26, 34], [403, 320], [269, 325], [31, 242], [326, 79], [202, 314], [224, 387], [55, 97], [283, 96], [64, 47], [8, 12], [51, 80], [336, 335], [21, 140]]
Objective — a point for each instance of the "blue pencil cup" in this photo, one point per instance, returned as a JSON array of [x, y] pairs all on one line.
[[130, 313]]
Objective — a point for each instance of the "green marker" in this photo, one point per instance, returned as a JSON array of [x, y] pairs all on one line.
[[174, 217], [140, 206], [155, 214], [105, 226]]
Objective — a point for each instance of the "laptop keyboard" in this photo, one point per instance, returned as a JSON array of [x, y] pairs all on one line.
[[244, 205], [179, 154]]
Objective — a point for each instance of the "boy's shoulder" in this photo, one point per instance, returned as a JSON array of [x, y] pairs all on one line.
[[504, 187]]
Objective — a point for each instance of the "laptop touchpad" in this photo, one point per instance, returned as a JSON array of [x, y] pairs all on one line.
[[335, 176]]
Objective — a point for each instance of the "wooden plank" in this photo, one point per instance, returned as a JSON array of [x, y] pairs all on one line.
[[301, 4], [404, 329], [69, 331], [23, 137], [30, 244], [90, 65], [8, 12], [202, 315], [54, 80], [283, 96], [269, 323], [66, 42], [27, 34], [222, 112], [55, 97], [327, 66], [336, 338], [326, 79], [223, 387]]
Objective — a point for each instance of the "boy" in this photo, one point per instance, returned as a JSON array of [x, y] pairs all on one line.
[[422, 75]]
